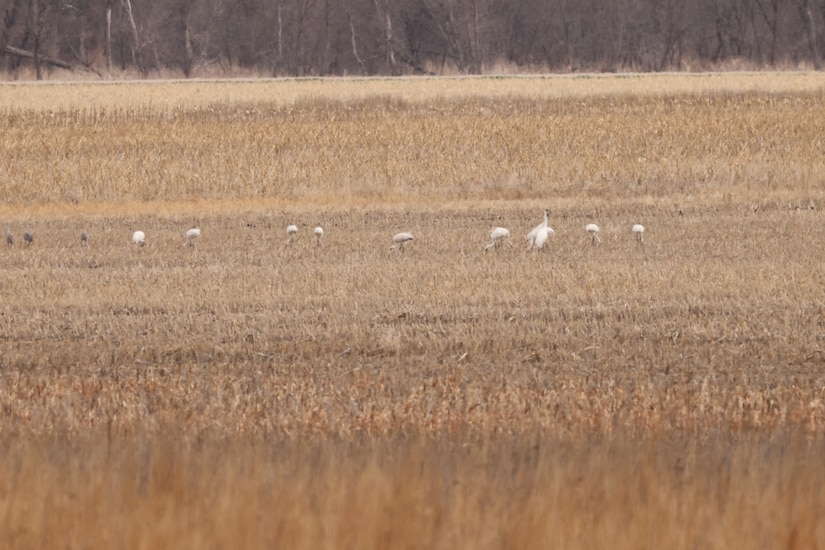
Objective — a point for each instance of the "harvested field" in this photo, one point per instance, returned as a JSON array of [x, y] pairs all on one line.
[[240, 391]]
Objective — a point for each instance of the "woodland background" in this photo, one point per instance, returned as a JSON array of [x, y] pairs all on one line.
[[209, 38]]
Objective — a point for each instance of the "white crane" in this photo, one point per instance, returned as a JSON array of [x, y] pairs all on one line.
[[139, 238], [541, 230], [593, 229], [497, 236], [399, 239], [319, 234], [192, 235], [291, 231], [84, 238], [531, 236], [639, 232], [542, 235]]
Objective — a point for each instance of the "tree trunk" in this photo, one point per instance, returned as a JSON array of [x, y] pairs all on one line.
[[11, 50], [135, 39], [810, 31], [769, 10], [476, 57], [448, 33], [108, 38], [382, 14], [355, 46], [280, 37], [188, 52], [34, 29]]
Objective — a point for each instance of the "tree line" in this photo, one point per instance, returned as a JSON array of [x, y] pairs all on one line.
[[401, 37]]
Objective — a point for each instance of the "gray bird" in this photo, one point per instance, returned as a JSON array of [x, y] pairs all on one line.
[[27, 237], [9, 237], [84, 238]]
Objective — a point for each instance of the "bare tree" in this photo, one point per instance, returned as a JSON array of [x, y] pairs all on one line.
[[320, 37], [36, 32], [809, 26], [354, 43], [108, 36], [31, 34], [135, 44], [188, 52], [769, 12], [673, 24], [450, 26], [382, 15]]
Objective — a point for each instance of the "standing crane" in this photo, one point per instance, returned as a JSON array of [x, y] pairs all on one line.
[[540, 232]]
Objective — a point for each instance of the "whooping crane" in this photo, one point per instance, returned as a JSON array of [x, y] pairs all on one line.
[[498, 236], [191, 235], [541, 231], [399, 239], [139, 238], [291, 230], [542, 235], [84, 238], [27, 238], [9, 237], [319, 234], [531, 236], [639, 232], [593, 229]]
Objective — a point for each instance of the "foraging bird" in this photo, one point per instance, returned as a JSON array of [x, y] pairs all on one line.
[[593, 229], [9, 237], [139, 238], [399, 239], [291, 230], [639, 232], [319, 234], [27, 238], [191, 235], [542, 235], [498, 236], [84, 238]]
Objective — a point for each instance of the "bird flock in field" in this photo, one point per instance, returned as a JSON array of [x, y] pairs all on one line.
[[499, 236], [537, 237]]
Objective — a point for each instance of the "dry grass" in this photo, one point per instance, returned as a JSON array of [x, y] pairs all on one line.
[[502, 492], [700, 147], [246, 393], [170, 95]]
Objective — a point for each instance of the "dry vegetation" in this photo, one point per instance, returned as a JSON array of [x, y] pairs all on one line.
[[242, 393]]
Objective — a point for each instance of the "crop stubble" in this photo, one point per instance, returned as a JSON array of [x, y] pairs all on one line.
[[244, 390]]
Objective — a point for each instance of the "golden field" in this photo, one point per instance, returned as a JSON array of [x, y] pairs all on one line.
[[245, 393]]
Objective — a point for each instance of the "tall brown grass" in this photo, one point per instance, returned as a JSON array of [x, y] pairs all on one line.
[[700, 147], [500, 492], [242, 392]]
